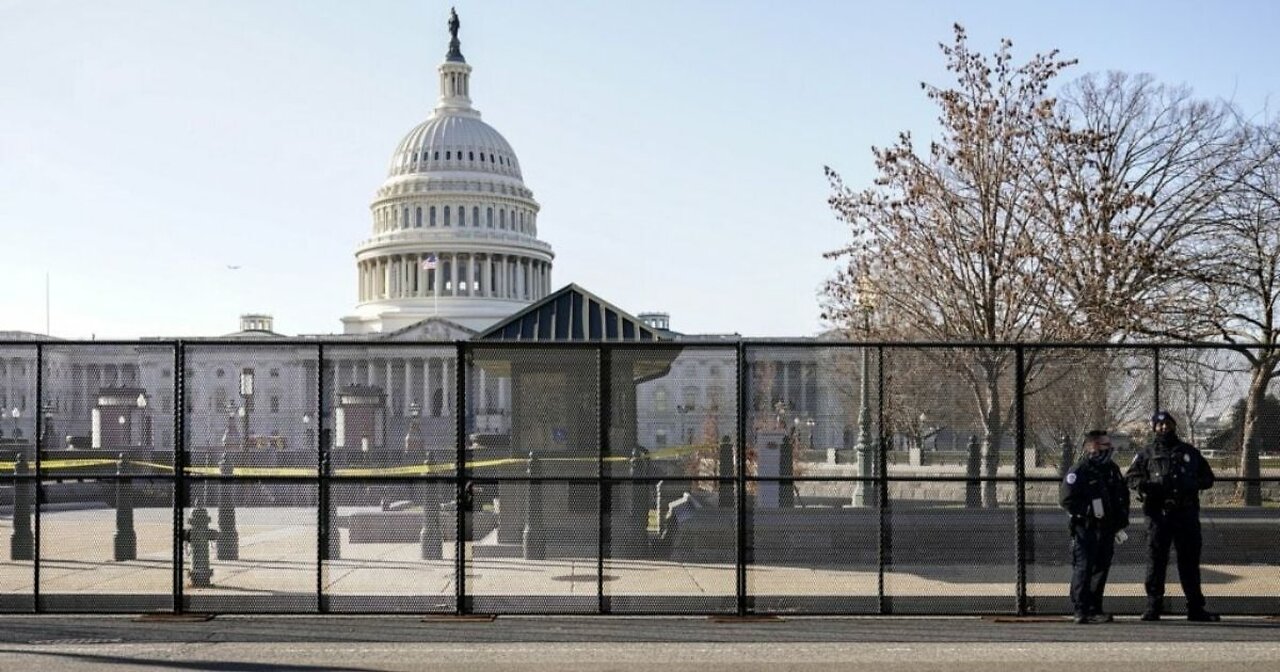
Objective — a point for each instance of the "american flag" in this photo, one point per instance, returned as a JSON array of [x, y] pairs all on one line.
[[429, 264]]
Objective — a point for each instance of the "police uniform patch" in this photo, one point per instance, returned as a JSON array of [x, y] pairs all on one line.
[[1071, 478], [1186, 457]]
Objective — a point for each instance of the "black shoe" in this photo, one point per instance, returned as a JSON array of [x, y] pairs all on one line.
[[1101, 617], [1081, 619], [1151, 615], [1202, 616]]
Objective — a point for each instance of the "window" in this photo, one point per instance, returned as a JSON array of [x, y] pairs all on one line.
[[660, 438], [475, 216], [448, 156], [432, 215], [437, 155], [164, 373], [660, 402], [275, 404], [471, 156], [462, 215], [446, 216], [502, 219], [404, 221], [274, 373], [481, 157], [490, 216], [417, 222], [221, 373]]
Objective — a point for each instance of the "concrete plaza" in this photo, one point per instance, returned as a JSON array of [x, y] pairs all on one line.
[[278, 564]]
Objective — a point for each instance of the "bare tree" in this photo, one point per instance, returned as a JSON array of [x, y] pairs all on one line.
[[1122, 202], [947, 235], [1242, 278]]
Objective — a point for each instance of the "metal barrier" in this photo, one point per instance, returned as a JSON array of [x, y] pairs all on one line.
[[686, 477]]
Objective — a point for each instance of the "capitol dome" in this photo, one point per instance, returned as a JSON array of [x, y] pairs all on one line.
[[454, 226], [454, 142]]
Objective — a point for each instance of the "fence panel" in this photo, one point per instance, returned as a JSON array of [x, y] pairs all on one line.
[[670, 478]]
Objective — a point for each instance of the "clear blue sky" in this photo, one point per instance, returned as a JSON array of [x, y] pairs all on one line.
[[676, 147]]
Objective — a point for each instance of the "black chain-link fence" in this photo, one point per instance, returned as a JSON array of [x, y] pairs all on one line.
[[731, 477]]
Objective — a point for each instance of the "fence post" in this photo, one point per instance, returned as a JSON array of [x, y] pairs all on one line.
[[228, 537], [1020, 478], [126, 539], [22, 542], [534, 541]]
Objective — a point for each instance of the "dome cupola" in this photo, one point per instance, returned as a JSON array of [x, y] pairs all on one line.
[[454, 226]]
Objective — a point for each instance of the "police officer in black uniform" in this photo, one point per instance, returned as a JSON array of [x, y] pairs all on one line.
[[1095, 495], [1168, 476]]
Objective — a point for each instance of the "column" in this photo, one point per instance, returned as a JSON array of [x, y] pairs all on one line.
[[427, 384], [472, 285], [408, 385], [453, 267], [437, 273], [487, 279], [384, 275], [422, 275], [444, 387], [501, 273]]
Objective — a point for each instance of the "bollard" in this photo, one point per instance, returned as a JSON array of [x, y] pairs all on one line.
[[228, 537], [786, 469], [22, 542], [126, 539], [972, 492], [333, 547], [199, 535], [429, 538], [534, 539], [725, 486]]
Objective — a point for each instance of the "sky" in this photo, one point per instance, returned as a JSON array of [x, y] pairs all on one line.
[[676, 148]]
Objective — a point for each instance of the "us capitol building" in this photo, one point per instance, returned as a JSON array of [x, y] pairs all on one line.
[[453, 254]]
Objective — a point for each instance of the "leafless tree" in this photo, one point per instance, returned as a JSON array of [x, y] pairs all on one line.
[[1242, 278], [948, 234], [1122, 201]]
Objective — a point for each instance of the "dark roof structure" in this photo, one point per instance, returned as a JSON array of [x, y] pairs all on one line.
[[571, 313]]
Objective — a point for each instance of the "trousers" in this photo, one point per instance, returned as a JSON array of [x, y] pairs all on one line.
[[1179, 528], [1092, 547]]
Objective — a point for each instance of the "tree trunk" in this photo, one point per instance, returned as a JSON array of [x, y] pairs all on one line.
[[993, 433], [1251, 492]]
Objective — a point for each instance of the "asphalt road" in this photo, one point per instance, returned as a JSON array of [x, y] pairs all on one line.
[[295, 644]]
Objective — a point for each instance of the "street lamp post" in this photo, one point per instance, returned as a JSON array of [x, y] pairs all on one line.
[[17, 427], [144, 422], [865, 299]]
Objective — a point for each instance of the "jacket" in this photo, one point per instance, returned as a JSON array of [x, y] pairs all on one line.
[[1168, 475], [1089, 483]]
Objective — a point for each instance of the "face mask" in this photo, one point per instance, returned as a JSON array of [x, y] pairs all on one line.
[[1100, 456]]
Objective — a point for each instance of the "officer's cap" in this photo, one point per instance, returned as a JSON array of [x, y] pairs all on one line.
[[1163, 416]]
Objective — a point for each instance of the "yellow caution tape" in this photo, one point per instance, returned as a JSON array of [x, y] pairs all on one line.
[[402, 470]]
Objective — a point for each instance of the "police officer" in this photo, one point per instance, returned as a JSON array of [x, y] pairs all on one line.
[[1168, 476], [1095, 496]]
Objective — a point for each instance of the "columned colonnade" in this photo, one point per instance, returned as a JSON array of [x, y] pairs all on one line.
[[486, 275], [428, 381]]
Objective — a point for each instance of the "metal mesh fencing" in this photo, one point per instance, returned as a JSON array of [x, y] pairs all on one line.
[[650, 478]]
